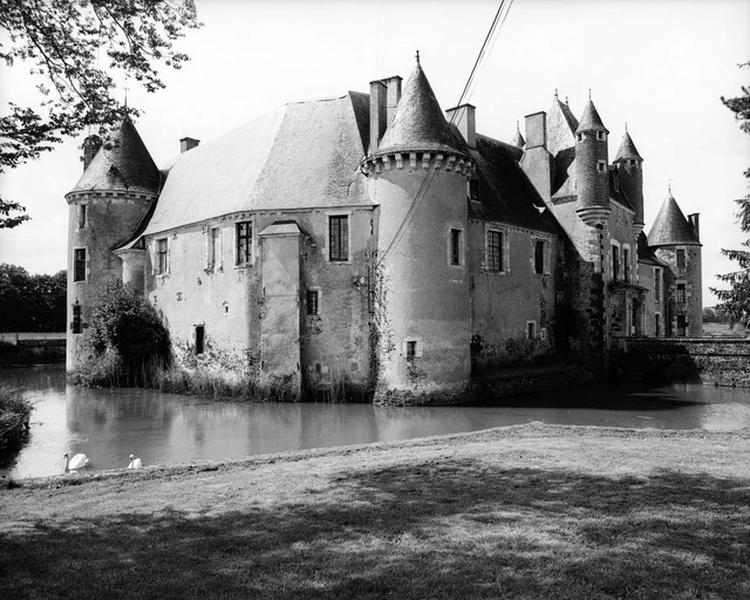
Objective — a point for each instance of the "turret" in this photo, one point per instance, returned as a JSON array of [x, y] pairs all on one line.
[[629, 167], [418, 176], [118, 186], [592, 177]]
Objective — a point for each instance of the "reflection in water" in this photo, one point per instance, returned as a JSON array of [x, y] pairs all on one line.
[[109, 425]]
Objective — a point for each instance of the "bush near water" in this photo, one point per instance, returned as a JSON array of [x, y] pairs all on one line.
[[15, 411]]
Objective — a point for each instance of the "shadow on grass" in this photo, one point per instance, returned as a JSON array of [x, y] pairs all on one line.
[[448, 529]]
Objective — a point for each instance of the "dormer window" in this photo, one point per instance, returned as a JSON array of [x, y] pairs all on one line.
[[474, 189], [601, 135], [601, 166], [581, 136], [633, 162]]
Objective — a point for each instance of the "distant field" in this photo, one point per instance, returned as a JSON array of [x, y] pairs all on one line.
[[723, 330]]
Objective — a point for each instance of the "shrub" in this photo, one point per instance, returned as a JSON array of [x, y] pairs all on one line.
[[14, 418]]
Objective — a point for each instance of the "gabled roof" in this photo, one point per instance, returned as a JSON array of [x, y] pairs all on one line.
[[627, 149], [122, 163], [305, 154], [419, 123], [590, 119], [561, 126], [505, 193], [671, 227], [616, 192], [518, 140]]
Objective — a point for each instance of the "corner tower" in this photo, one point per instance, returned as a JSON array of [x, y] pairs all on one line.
[[676, 242], [629, 167], [592, 177], [119, 184], [418, 176]]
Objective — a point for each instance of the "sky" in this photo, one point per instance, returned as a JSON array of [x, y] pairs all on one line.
[[659, 65]]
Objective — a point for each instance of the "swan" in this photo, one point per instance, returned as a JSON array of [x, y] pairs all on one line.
[[77, 462], [135, 463]]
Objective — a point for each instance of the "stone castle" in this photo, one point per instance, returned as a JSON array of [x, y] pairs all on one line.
[[376, 240]]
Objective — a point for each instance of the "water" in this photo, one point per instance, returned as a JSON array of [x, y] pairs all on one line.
[[107, 425]]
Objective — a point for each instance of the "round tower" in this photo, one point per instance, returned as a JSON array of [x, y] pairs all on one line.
[[119, 184], [418, 176], [629, 168], [592, 177], [676, 242]]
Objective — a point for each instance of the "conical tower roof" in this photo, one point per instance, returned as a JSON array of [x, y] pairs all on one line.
[[122, 163], [419, 124], [518, 140], [671, 227], [590, 119], [627, 149]]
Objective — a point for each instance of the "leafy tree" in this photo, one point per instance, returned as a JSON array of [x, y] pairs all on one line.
[[31, 302], [735, 301], [63, 42]]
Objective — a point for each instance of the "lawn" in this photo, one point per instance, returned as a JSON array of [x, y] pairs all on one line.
[[522, 512]]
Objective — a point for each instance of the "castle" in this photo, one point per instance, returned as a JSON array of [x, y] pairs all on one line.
[[378, 240]]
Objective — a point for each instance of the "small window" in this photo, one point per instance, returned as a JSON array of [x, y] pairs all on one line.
[[681, 295], [657, 325], [626, 263], [680, 258], [657, 285], [581, 137], [615, 262], [530, 330], [681, 325], [312, 302], [244, 242], [494, 250], [601, 166], [162, 256], [633, 162], [539, 257], [81, 216], [77, 325], [213, 236], [200, 339], [411, 350], [474, 189], [338, 238], [79, 264], [455, 246], [601, 136]]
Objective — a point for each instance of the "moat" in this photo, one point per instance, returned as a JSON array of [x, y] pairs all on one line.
[[109, 425]]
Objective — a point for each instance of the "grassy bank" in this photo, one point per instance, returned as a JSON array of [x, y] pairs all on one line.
[[520, 512], [15, 411]]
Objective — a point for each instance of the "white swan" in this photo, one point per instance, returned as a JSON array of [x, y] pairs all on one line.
[[135, 463], [77, 462]]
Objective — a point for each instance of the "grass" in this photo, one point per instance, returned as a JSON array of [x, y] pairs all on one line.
[[522, 512]]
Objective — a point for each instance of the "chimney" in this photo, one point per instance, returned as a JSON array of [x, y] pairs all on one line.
[[91, 146], [464, 118], [188, 143], [694, 221], [377, 113], [393, 95], [536, 130]]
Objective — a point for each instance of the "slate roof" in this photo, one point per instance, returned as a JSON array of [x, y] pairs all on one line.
[[590, 119], [505, 192], [122, 163], [627, 149], [419, 123], [671, 227], [616, 192], [646, 254], [561, 126], [306, 154], [518, 140]]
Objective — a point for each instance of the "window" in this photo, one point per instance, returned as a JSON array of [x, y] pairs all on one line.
[[312, 302], [615, 262], [244, 243], [79, 264], [200, 338], [626, 263], [474, 189], [455, 246], [539, 257], [162, 256], [581, 137], [681, 297], [338, 238], [633, 162], [213, 236], [601, 166], [530, 330], [657, 285], [76, 325], [494, 250], [680, 258], [601, 136], [411, 349], [81, 216], [657, 325], [681, 325]]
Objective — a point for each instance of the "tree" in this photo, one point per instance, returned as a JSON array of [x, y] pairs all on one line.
[[31, 302], [63, 42], [735, 301]]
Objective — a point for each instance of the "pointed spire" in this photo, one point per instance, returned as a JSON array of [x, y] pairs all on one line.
[[518, 138], [627, 149], [670, 226], [419, 123], [122, 163], [591, 119]]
